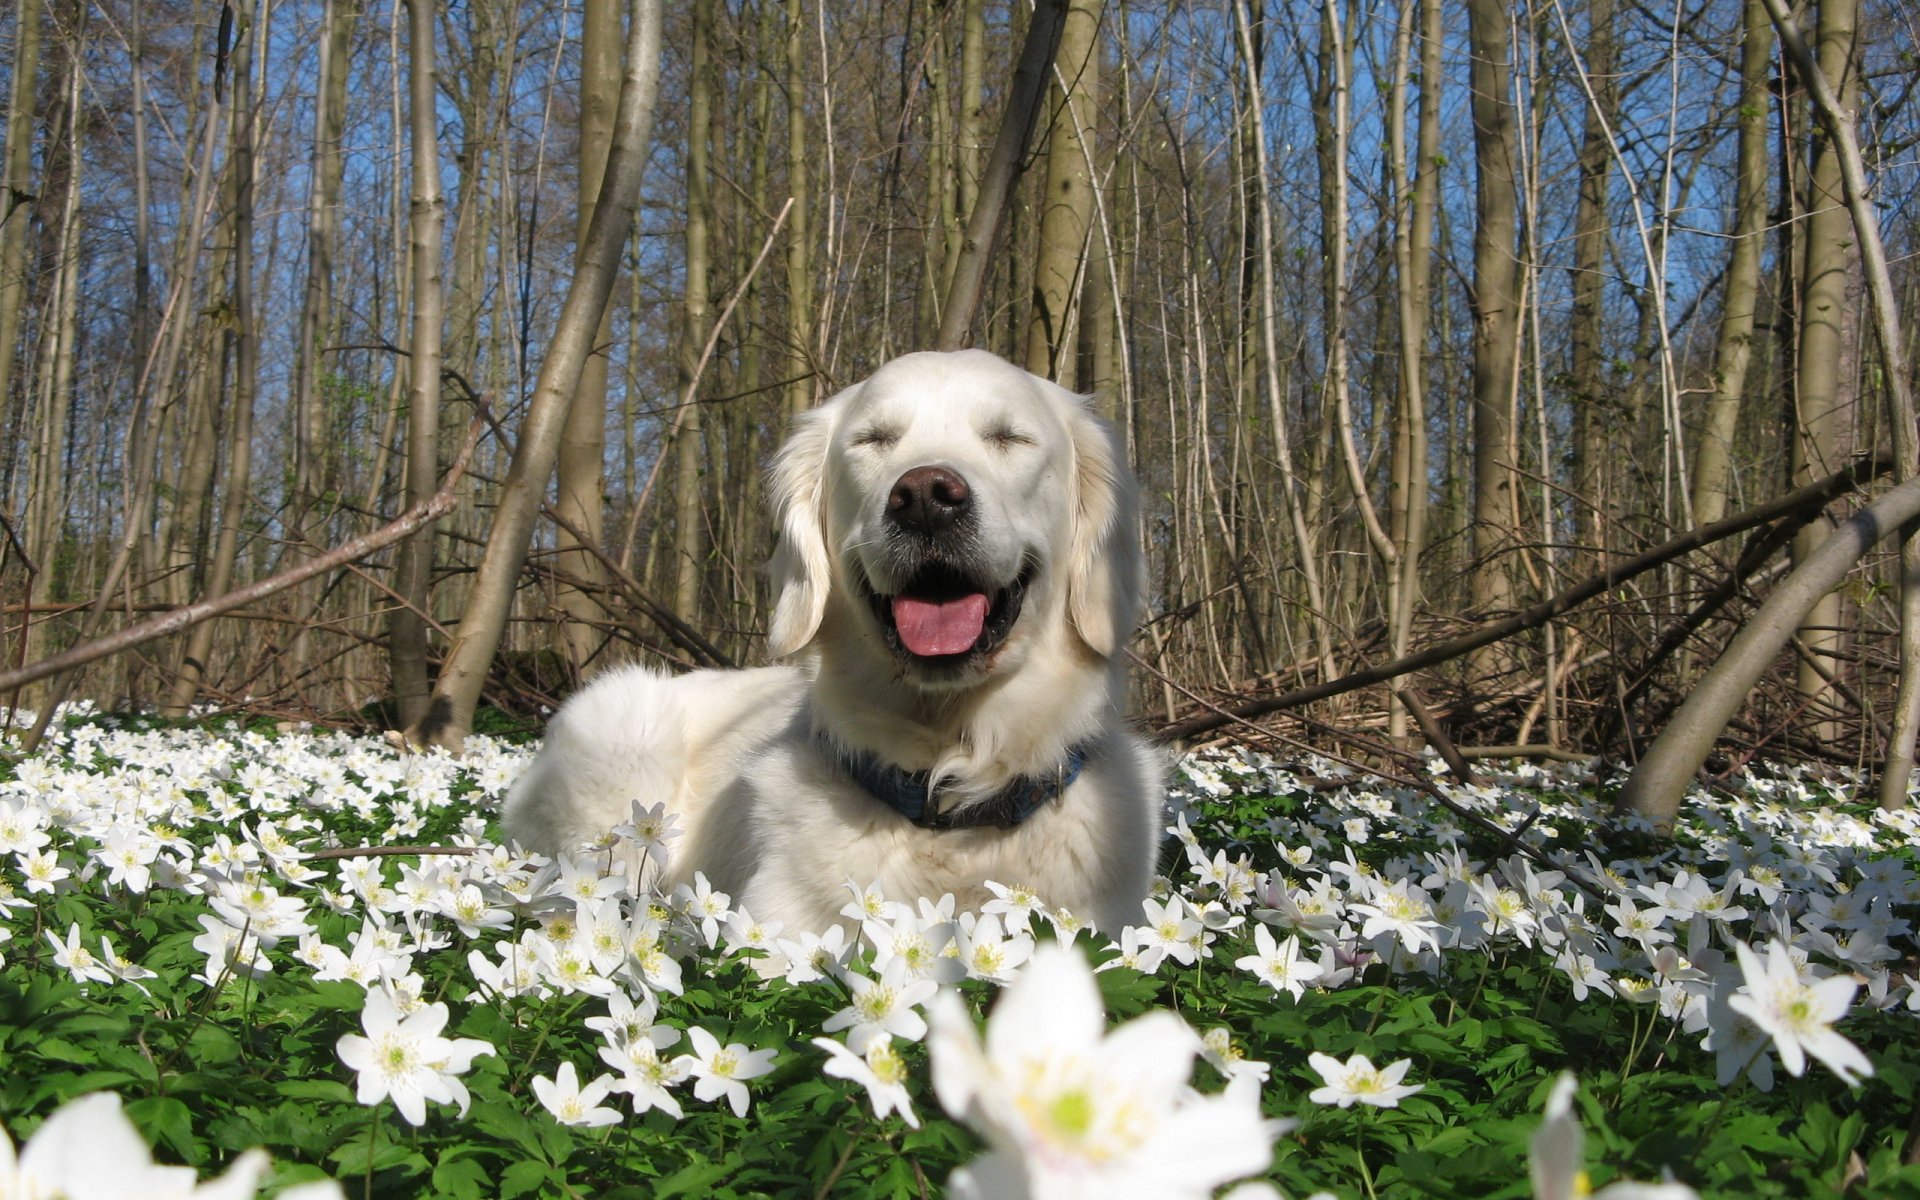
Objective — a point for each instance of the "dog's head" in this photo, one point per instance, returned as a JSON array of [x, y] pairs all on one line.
[[953, 505]]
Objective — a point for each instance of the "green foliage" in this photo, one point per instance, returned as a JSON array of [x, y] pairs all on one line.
[[207, 1072]]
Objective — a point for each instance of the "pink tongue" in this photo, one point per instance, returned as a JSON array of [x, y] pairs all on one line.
[[930, 627]]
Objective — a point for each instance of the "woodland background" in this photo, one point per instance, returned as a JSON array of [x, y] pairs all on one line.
[[1415, 314]]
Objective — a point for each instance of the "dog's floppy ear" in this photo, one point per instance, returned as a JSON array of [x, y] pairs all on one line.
[[1106, 575], [801, 571]]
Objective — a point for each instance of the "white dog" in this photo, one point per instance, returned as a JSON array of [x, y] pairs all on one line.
[[956, 576]]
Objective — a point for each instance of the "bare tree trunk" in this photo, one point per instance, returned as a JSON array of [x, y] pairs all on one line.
[[1066, 201], [1713, 453], [583, 440], [407, 626], [1413, 259], [1596, 413], [689, 521], [1839, 120], [970, 131], [1826, 391], [1496, 312], [17, 193], [1098, 371], [1004, 165], [450, 717], [1305, 543], [802, 386], [245, 341], [47, 494], [323, 232]]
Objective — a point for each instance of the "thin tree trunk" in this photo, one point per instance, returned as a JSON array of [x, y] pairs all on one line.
[[1496, 312], [1066, 200], [583, 439], [407, 626], [1413, 258], [1838, 118], [323, 233], [245, 341], [802, 387], [17, 193], [46, 511], [1713, 454], [1826, 391], [1004, 165], [1596, 414], [689, 521], [457, 692], [969, 133], [1305, 543]]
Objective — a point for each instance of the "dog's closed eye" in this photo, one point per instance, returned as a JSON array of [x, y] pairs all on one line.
[[879, 437], [1005, 437]]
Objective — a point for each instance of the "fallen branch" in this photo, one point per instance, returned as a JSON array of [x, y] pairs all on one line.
[[1659, 782], [1812, 497], [400, 528]]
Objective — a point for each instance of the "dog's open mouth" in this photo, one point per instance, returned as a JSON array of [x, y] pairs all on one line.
[[942, 616]]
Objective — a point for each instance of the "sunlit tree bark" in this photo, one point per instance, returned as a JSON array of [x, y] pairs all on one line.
[[407, 627], [1496, 314]]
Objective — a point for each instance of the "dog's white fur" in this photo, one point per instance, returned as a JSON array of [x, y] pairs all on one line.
[[766, 812]]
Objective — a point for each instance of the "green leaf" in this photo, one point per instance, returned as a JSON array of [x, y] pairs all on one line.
[[522, 1178], [462, 1178], [166, 1119]]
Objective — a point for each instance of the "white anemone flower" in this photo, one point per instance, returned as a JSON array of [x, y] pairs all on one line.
[[1279, 966], [89, 1150], [646, 1076], [1556, 1159], [723, 1070], [1071, 1110], [572, 1104], [75, 959], [881, 1071], [1798, 1013], [1358, 1081], [407, 1059], [882, 1008]]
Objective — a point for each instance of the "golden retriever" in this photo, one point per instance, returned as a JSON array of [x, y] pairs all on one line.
[[956, 575]]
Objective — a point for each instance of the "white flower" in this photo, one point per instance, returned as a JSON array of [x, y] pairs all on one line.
[[882, 1008], [120, 966], [922, 945], [646, 1076], [721, 1070], [1170, 931], [88, 1150], [704, 906], [1557, 1163], [1071, 1110], [987, 953], [76, 959], [1280, 966], [1798, 1013], [881, 1071], [627, 1023], [869, 903], [1225, 1056], [650, 828], [813, 956], [1358, 1081], [407, 1059], [572, 1104]]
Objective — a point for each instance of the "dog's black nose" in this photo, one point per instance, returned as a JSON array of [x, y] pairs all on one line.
[[929, 499]]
